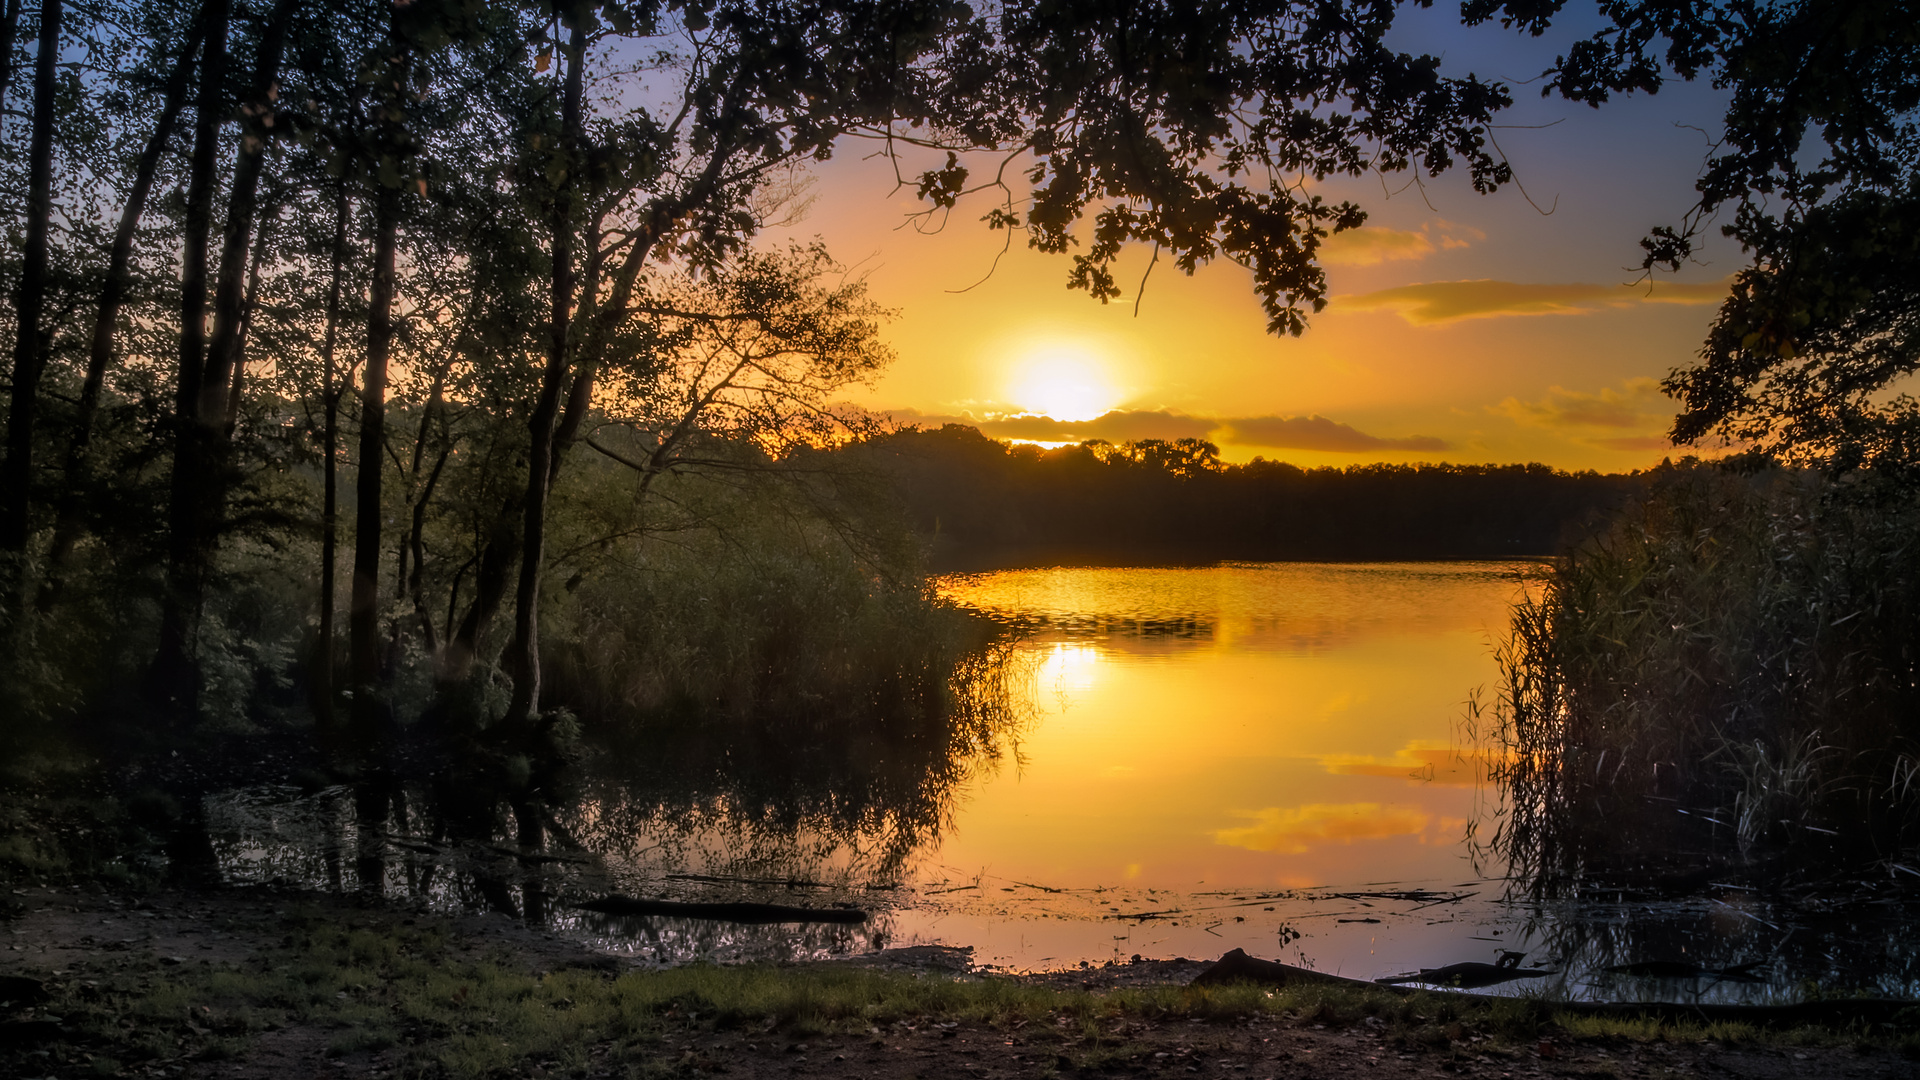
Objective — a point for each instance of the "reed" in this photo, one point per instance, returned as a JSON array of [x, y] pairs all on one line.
[[1730, 668]]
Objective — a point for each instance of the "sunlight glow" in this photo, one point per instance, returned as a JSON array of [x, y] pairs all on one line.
[[1066, 381], [1069, 669]]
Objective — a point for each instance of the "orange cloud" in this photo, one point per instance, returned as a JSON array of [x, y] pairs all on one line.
[[1294, 830], [1433, 302], [1635, 442], [1638, 403], [1371, 245], [1430, 762]]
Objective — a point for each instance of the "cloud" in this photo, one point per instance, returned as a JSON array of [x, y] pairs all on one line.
[[1132, 425], [1120, 425], [1635, 442], [1293, 830], [1420, 760], [1434, 302], [1318, 433], [1638, 403], [1371, 245]]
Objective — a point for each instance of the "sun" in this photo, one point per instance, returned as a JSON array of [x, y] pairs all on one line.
[[1064, 381]]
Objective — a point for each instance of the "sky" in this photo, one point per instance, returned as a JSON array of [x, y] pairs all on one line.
[[1461, 327]]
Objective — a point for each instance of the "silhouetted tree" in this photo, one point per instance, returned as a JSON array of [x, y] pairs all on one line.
[[1814, 173]]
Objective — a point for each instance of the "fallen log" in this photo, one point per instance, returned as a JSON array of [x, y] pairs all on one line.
[[740, 912], [1472, 974]]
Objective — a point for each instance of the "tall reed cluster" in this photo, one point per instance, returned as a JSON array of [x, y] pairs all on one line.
[[1728, 672]]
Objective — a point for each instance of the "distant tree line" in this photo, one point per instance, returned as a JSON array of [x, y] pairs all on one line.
[[983, 503]]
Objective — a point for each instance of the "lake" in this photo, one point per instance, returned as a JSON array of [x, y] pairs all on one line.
[[1229, 729], [1280, 757]]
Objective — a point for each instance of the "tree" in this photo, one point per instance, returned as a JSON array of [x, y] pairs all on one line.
[[30, 343], [1817, 175], [1197, 132]]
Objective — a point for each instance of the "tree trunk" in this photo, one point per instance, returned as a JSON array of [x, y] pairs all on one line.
[[113, 292], [369, 721], [236, 389], [175, 685], [524, 658], [9, 33], [580, 395], [417, 539], [412, 543], [229, 295], [330, 507], [29, 343], [499, 552]]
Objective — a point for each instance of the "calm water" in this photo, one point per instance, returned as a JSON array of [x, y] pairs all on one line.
[[1245, 729], [1274, 757]]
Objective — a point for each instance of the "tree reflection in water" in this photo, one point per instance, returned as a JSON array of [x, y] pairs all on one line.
[[821, 807]]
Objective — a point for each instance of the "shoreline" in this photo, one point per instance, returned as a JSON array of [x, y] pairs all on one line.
[[286, 984]]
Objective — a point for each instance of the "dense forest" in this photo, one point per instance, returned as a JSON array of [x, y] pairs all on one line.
[[978, 503]]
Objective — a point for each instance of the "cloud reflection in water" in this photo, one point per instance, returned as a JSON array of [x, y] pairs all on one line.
[[1298, 829]]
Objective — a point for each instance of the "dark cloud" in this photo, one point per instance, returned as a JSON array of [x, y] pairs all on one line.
[[1319, 433], [1132, 425], [1118, 426]]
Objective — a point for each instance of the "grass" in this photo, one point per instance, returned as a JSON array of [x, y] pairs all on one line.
[[403, 988]]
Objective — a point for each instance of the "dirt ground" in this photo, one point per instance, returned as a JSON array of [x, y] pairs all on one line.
[[70, 941]]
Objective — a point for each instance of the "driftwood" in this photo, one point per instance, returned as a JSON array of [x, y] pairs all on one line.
[[1237, 966], [759, 914], [1472, 974]]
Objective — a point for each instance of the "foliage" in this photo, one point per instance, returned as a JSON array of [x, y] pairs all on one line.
[[1814, 175], [1202, 131], [1730, 667]]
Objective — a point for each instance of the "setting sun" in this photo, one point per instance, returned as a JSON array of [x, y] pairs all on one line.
[[1065, 382]]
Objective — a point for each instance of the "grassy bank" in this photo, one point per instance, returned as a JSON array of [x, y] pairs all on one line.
[[1732, 669], [385, 992]]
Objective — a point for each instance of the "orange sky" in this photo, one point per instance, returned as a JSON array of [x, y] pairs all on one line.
[[1462, 327]]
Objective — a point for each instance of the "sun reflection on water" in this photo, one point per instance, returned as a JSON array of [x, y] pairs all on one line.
[[1067, 670], [1238, 725]]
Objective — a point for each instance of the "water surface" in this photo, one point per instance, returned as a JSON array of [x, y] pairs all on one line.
[[1242, 730], [1276, 757]]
